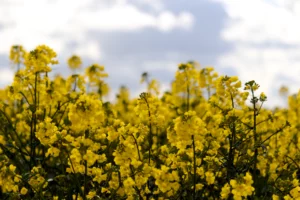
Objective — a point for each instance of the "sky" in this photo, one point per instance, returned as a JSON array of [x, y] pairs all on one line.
[[253, 39]]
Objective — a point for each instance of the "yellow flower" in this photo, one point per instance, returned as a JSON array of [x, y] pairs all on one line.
[[210, 178], [74, 62], [248, 179], [23, 191], [40, 59], [91, 195], [90, 157], [53, 151], [199, 186], [12, 168], [17, 54], [2, 141], [263, 97], [86, 112], [104, 190], [95, 72], [225, 191]]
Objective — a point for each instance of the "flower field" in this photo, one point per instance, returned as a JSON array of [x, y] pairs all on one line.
[[209, 137]]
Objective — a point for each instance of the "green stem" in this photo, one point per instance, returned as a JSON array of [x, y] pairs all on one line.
[[232, 141], [137, 146], [85, 181], [194, 166], [255, 138], [150, 130], [187, 91], [75, 84], [77, 181]]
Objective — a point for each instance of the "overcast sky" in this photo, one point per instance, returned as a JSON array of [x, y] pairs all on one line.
[[254, 39]]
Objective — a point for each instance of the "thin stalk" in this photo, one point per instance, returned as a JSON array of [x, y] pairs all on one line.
[[85, 181], [144, 96], [194, 166], [187, 92], [137, 146], [232, 141], [33, 124], [75, 84], [255, 138], [150, 130], [15, 131], [135, 187], [77, 181]]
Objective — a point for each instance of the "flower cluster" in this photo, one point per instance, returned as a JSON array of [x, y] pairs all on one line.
[[206, 138]]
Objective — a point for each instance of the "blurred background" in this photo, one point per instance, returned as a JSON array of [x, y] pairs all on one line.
[[253, 39]]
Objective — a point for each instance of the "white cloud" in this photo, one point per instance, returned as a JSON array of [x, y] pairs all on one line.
[[260, 20], [56, 23], [90, 49], [269, 67], [6, 76], [168, 21], [156, 4], [166, 65], [265, 36]]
